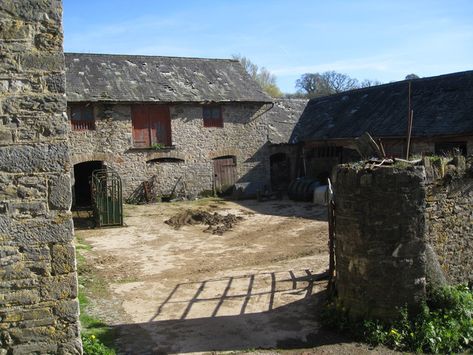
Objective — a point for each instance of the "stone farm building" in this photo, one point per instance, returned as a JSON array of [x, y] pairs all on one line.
[[442, 109], [200, 121], [204, 123]]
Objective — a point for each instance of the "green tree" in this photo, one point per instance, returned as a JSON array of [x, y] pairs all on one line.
[[411, 76], [263, 76]]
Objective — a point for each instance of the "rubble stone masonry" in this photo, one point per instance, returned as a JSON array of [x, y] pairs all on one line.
[[38, 280], [400, 229], [449, 212], [244, 136]]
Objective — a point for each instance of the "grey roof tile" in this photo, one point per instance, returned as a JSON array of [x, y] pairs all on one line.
[[443, 105], [130, 78], [283, 117]]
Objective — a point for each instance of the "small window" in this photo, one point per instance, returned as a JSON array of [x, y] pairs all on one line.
[[212, 116], [82, 117]]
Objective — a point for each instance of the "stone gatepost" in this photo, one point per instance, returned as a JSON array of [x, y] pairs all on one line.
[[38, 280], [380, 239]]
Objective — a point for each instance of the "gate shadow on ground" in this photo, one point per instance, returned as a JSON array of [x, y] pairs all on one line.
[[291, 326], [286, 208], [83, 218]]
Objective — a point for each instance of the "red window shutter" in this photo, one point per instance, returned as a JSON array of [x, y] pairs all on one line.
[[212, 115], [141, 131], [160, 125]]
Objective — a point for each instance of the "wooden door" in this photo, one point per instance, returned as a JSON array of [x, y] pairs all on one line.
[[225, 173], [140, 118], [160, 125], [151, 125]]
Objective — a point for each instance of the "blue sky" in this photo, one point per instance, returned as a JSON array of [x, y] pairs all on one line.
[[366, 39]]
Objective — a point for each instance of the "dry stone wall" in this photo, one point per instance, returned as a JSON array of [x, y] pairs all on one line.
[[38, 281], [449, 213], [244, 135], [399, 230]]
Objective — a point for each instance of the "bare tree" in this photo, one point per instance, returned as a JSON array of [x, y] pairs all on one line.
[[340, 82], [368, 83], [326, 83], [263, 76], [312, 85], [250, 67]]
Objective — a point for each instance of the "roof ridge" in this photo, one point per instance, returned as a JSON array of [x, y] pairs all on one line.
[[125, 56], [427, 78]]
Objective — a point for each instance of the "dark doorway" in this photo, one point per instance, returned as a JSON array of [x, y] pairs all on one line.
[[225, 174], [82, 184], [280, 166]]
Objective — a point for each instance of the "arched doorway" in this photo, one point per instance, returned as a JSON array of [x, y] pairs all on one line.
[[82, 182], [280, 167]]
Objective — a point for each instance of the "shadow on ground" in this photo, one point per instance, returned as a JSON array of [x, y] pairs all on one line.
[[83, 218], [286, 208], [291, 326]]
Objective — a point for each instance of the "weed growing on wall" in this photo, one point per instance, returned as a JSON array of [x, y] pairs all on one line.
[[444, 324], [157, 146]]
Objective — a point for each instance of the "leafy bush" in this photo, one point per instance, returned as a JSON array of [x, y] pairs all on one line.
[[93, 346], [444, 325]]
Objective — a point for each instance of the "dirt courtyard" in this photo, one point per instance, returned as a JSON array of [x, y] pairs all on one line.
[[256, 286]]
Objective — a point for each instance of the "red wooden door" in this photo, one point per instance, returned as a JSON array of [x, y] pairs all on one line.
[[151, 125], [160, 124], [225, 173], [140, 118]]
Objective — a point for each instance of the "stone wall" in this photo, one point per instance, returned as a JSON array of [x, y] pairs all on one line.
[[399, 229], [38, 281], [450, 216], [380, 239], [244, 135]]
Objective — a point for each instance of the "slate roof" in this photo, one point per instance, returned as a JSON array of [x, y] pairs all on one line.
[[282, 119], [130, 78], [443, 105]]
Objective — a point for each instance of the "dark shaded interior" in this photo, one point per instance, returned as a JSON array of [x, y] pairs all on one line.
[[280, 166], [82, 184], [450, 148]]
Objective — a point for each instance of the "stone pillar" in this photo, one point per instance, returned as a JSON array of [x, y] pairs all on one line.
[[380, 239], [38, 280]]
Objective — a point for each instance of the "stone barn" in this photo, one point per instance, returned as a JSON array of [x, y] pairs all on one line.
[[196, 122], [442, 121], [284, 158]]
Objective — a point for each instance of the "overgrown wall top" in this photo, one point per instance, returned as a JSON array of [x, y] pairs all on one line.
[[399, 229]]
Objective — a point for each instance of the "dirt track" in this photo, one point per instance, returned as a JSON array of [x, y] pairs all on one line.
[[257, 286]]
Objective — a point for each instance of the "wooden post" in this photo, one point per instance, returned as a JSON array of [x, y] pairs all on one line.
[[409, 132], [331, 238], [409, 122]]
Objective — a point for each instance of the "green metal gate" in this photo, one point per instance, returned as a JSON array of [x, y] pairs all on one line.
[[107, 198]]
